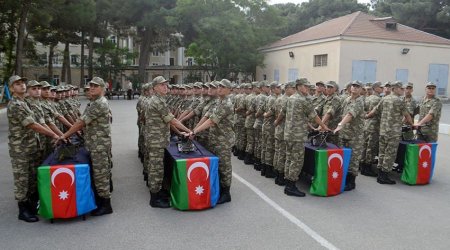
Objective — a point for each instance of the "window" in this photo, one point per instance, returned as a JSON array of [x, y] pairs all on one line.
[[172, 61], [73, 59], [189, 61], [320, 60], [276, 75], [55, 59], [43, 58], [155, 64], [56, 79], [85, 79], [155, 53], [113, 39]]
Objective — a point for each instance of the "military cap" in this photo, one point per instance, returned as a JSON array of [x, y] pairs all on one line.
[[158, 80], [180, 86], [45, 84], [86, 86], [60, 88], [368, 85], [169, 86], [16, 78], [348, 85], [189, 85], [206, 85], [75, 87], [332, 84], [198, 85], [320, 83], [275, 84], [54, 88], [98, 81], [430, 84], [312, 86], [213, 84], [291, 84], [386, 84], [376, 84], [302, 81], [33, 83], [265, 84], [225, 83], [357, 83], [410, 84], [70, 86], [255, 84], [397, 84]]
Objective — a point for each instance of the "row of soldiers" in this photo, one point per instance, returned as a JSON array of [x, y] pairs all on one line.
[[272, 122], [38, 115]]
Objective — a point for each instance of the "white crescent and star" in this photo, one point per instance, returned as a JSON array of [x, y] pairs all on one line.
[[60, 171], [424, 147], [335, 155], [195, 165]]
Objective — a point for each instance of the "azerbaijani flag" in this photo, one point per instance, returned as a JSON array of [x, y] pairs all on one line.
[[419, 163], [65, 191], [195, 183], [330, 171]]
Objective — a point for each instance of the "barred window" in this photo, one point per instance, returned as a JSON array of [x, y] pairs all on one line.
[[320, 60]]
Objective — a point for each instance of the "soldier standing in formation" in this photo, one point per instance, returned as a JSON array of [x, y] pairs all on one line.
[[429, 111]]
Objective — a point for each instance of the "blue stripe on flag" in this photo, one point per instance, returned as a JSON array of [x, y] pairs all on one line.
[[433, 159], [85, 195], [214, 180], [347, 152]]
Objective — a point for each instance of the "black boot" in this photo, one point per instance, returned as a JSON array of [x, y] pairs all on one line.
[[33, 202], [292, 190], [111, 186], [279, 180], [25, 214], [270, 172], [383, 178], [164, 194], [241, 155], [350, 182], [103, 207], [366, 169], [233, 149], [157, 201], [248, 159], [145, 177], [225, 195]]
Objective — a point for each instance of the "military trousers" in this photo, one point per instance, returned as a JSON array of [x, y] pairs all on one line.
[[101, 169], [279, 159], [427, 134], [250, 134], [268, 147], [24, 172], [371, 146], [241, 137], [356, 144], [223, 151], [156, 168], [257, 143], [388, 152], [295, 157]]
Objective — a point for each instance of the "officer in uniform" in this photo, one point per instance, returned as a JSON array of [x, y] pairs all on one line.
[[22, 129], [429, 114], [332, 111], [240, 110], [97, 128], [392, 109], [260, 100], [411, 105], [222, 137], [299, 113], [249, 122]]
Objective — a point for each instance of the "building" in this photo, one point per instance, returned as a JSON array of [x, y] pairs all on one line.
[[360, 47]]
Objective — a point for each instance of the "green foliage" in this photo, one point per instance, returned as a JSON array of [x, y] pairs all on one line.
[[112, 59]]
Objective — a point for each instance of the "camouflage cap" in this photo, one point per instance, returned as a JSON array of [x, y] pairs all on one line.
[[198, 85], [376, 84], [85, 86], [348, 85], [368, 85], [265, 84], [225, 83], [430, 84], [98, 81], [410, 85], [291, 84], [170, 86], [213, 84], [16, 78], [397, 84], [54, 88], [332, 84], [386, 84], [206, 85], [275, 84], [60, 88], [158, 80], [33, 83], [320, 83], [255, 84], [302, 81], [45, 84], [180, 86], [189, 86], [357, 83]]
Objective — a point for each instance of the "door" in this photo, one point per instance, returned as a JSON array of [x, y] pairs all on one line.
[[402, 75], [364, 70], [438, 74]]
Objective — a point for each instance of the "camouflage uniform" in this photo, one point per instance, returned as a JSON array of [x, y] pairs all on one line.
[[98, 142], [39, 117], [430, 129], [371, 131], [299, 112], [411, 105], [249, 122], [260, 101], [239, 122], [333, 107], [352, 134], [280, 144], [268, 131], [392, 110], [51, 116], [157, 118]]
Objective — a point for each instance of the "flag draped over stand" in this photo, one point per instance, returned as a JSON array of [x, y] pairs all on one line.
[[195, 183], [330, 171], [65, 191], [419, 163]]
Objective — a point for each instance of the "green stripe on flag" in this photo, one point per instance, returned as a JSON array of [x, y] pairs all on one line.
[[409, 175], [45, 193], [178, 188], [319, 185]]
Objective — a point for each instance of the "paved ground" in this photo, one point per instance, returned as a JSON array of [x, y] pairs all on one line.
[[371, 217]]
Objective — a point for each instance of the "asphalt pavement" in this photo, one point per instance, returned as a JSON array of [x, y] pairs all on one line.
[[260, 216]]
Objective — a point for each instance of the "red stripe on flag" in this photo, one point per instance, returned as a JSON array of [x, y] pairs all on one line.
[[424, 168], [63, 190], [197, 178], [335, 171]]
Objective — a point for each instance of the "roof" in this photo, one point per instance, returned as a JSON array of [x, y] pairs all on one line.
[[360, 24]]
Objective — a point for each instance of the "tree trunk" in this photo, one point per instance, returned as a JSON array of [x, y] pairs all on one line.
[[144, 51], [9, 68], [51, 53], [82, 60], [90, 56], [64, 65], [21, 36], [67, 57]]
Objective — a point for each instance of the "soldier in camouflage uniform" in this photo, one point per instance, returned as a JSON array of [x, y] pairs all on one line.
[[97, 128], [239, 122], [351, 129], [371, 132], [429, 114], [392, 109], [222, 137], [411, 105], [332, 110], [299, 113], [318, 99], [208, 108], [386, 88], [22, 129], [260, 101], [249, 122]]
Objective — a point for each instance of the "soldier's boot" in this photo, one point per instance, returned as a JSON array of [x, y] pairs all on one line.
[[25, 214], [225, 195], [292, 190], [263, 169], [270, 172], [366, 169], [145, 177], [157, 201], [234, 150], [103, 207], [350, 182], [33, 202], [279, 180], [164, 194], [248, 159], [241, 155], [111, 186], [383, 178]]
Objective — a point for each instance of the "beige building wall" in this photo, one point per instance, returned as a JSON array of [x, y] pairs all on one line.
[[389, 58]]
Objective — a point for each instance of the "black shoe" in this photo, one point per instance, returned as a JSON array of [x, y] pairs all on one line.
[[33, 203], [225, 195], [350, 182], [270, 172], [157, 201], [145, 177], [25, 214], [366, 169], [164, 194], [279, 180], [241, 155], [292, 190], [111, 186], [263, 169], [383, 178], [248, 159], [234, 150], [257, 166], [103, 207]]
